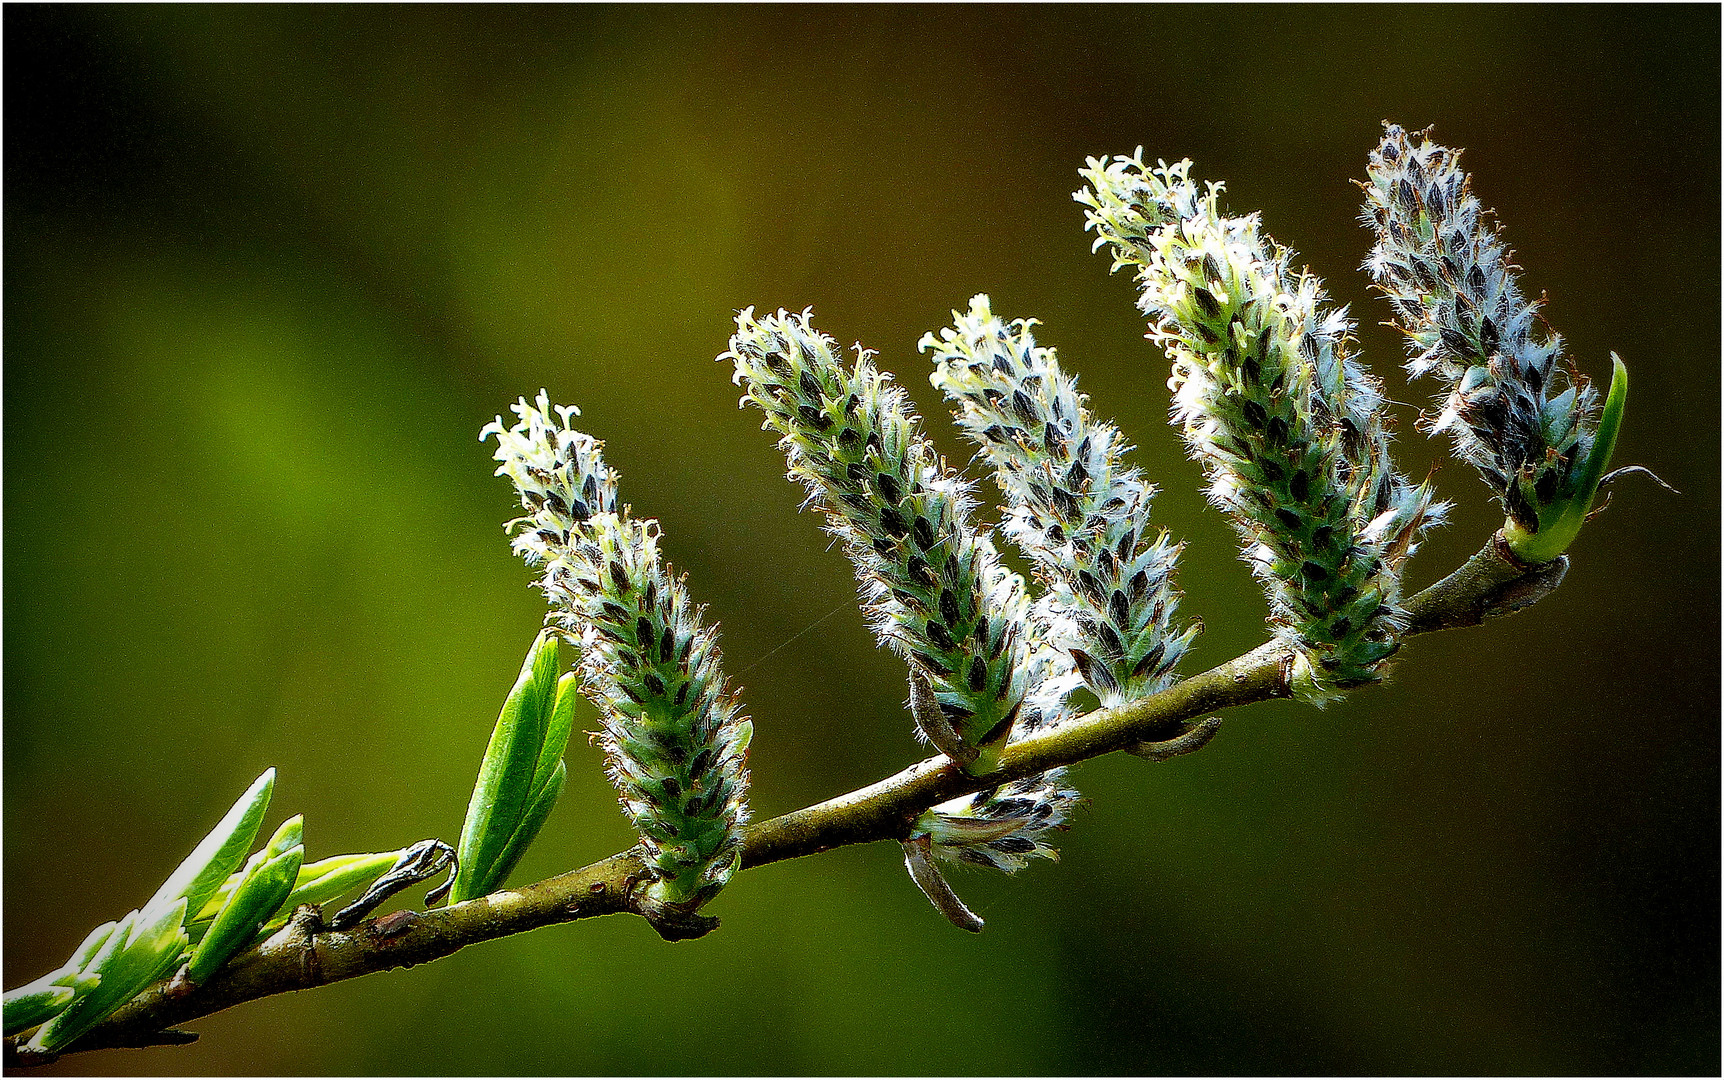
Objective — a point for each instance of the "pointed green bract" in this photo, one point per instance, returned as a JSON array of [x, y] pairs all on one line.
[[1560, 521], [557, 731], [327, 879], [220, 853], [505, 786], [72, 978], [252, 905], [126, 963]]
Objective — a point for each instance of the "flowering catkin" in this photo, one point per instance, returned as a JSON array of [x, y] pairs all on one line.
[[1004, 827], [932, 585], [1290, 429], [674, 740], [1521, 419], [1073, 506]]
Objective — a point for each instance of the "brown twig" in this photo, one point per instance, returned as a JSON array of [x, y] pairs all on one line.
[[303, 954]]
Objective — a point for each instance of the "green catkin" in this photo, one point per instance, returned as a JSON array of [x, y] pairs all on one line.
[[932, 585], [1073, 506], [1518, 416], [674, 738], [1291, 431]]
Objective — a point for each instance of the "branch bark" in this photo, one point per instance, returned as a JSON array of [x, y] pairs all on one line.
[[303, 954]]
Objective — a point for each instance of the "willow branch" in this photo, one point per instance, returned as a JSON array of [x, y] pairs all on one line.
[[304, 954]]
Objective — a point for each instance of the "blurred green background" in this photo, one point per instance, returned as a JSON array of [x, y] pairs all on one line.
[[269, 269]]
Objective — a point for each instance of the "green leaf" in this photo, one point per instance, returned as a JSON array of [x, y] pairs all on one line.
[[326, 879], [318, 883], [252, 905], [35, 1002], [556, 738], [289, 834], [54, 991], [93, 941], [150, 950], [220, 853], [543, 801], [112, 942], [504, 788], [1559, 523]]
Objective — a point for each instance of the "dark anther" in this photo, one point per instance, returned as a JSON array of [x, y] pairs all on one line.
[[619, 576], [889, 487], [924, 533], [949, 608], [933, 665], [1118, 608], [937, 634], [810, 387]]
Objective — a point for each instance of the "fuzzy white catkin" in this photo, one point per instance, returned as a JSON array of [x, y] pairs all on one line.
[[1072, 504], [932, 584], [1514, 412], [674, 738], [1290, 429]]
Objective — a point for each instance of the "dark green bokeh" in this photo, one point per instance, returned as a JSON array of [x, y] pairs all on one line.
[[268, 270]]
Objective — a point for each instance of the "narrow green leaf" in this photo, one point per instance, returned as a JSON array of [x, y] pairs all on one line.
[[326, 879], [152, 950], [543, 801], [290, 833], [92, 942], [220, 853], [504, 787], [34, 1003], [318, 883], [556, 732], [253, 904], [112, 942]]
